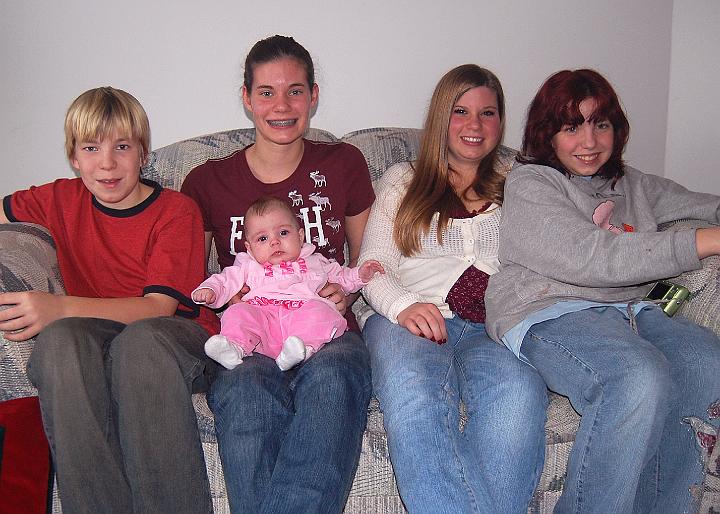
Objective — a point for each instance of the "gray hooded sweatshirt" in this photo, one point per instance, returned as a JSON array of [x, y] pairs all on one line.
[[576, 238]]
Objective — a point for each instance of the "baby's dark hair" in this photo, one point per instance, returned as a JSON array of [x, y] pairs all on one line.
[[268, 203]]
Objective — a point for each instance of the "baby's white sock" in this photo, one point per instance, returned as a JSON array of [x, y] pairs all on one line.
[[221, 349], [292, 354]]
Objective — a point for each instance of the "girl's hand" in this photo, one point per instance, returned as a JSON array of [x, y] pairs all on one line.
[[238, 297], [424, 320], [707, 241], [27, 313], [368, 269], [335, 294], [203, 296]]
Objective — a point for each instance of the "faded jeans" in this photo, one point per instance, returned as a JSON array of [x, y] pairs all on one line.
[[290, 441], [632, 391], [494, 463]]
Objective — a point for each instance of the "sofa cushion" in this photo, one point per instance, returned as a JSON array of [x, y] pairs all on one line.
[[24, 458], [169, 165], [382, 147], [703, 305]]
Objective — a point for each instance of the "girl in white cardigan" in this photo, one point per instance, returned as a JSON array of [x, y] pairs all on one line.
[[434, 226]]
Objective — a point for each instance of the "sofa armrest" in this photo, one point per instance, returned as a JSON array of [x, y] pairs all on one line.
[[27, 262], [703, 306]]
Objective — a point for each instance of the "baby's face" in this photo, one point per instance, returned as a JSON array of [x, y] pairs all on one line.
[[273, 237]]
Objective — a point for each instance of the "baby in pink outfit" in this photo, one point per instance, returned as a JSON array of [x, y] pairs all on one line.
[[282, 316]]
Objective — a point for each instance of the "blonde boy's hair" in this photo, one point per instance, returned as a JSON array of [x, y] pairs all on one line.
[[99, 112]]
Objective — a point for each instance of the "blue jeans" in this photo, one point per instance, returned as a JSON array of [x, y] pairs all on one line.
[[632, 391], [290, 441], [117, 410], [492, 464]]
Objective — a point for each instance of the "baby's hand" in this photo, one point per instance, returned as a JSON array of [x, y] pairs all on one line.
[[368, 269], [203, 296]]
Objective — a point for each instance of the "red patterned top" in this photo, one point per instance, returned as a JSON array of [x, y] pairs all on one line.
[[466, 297]]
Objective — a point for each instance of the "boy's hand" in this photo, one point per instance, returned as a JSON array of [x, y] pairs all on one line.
[[203, 296], [368, 269], [27, 313], [335, 294]]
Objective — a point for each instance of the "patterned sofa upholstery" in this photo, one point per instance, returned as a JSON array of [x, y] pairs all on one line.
[[27, 262]]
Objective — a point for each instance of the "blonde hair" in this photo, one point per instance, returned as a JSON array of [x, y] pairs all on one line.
[[98, 112], [430, 190]]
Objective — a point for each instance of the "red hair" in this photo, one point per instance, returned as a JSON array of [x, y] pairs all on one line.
[[557, 103]]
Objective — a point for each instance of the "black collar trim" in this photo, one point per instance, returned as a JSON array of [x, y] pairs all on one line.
[[132, 211]]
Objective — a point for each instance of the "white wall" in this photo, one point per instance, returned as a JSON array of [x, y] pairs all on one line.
[[377, 62], [692, 156]]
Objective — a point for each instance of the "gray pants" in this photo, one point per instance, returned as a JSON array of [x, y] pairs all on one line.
[[117, 410]]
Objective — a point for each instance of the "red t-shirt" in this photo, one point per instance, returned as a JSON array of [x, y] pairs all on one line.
[[155, 247], [331, 182]]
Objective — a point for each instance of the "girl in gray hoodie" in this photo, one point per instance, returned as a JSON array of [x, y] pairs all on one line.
[[579, 249]]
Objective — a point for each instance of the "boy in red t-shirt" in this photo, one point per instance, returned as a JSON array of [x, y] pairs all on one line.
[[116, 360]]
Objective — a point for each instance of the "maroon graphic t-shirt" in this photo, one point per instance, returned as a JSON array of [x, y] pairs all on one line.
[[331, 182]]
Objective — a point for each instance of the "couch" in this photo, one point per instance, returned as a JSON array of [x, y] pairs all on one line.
[[27, 262]]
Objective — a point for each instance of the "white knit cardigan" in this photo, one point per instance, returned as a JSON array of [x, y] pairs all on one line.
[[427, 276]]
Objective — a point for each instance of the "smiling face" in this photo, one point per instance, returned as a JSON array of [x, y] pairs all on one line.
[[280, 101], [273, 236], [475, 128], [584, 149], [110, 169]]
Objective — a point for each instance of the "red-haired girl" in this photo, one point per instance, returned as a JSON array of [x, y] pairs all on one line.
[[580, 249]]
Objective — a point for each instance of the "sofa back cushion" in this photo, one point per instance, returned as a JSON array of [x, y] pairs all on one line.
[[169, 165], [385, 146]]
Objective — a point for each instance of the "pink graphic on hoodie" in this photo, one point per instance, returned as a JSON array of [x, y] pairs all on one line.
[[603, 213]]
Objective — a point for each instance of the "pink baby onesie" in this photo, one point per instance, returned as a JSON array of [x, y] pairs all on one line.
[[282, 301]]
